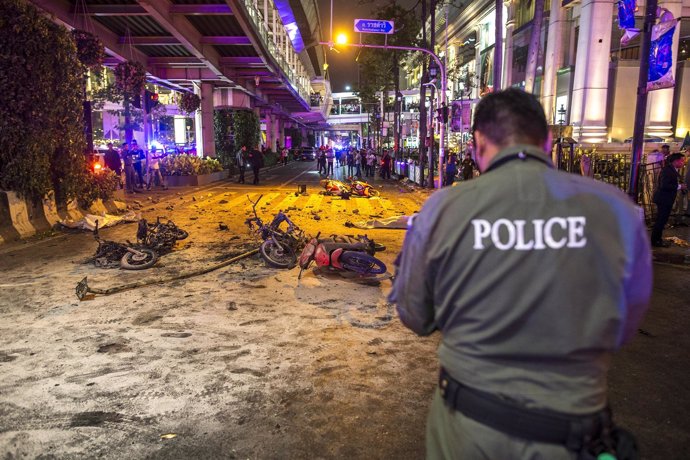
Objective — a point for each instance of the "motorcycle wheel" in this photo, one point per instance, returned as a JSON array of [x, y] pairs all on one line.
[[373, 192], [363, 263], [131, 261], [181, 234], [278, 256]]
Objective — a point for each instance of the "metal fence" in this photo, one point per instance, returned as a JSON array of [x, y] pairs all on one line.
[[612, 168]]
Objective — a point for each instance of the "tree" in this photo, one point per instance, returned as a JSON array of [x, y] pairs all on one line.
[[247, 129], [533, 50], [41, 118], [224, 137]]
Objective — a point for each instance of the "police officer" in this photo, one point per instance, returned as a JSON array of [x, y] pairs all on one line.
[[534, 277]]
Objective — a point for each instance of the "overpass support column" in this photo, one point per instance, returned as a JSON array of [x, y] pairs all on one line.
[[270, 139], [553, 60], [304, 136], [276, 131], [205, 142], [281, 131], [591, 78]]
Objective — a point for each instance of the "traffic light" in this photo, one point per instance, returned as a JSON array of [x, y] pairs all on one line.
[[150, 100]]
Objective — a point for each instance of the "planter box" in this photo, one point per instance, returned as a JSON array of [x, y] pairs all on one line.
[[203, 179]]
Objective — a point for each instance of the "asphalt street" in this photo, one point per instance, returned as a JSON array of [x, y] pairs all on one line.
[[647, 381]]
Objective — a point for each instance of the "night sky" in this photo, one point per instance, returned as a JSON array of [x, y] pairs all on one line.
[[342, 67]]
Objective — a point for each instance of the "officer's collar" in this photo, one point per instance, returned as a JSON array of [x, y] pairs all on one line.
[[518, 152]]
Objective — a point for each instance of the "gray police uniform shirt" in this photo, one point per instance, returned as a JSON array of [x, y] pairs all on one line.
[[533, 276]]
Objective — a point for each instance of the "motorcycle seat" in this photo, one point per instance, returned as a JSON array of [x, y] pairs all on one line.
[[331, 246]]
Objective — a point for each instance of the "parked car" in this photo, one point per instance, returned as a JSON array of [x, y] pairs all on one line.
[[307, 154]]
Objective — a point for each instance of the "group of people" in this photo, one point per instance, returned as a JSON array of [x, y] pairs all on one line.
[[246, 157], [359, 162], [141, 170], [468, 169]]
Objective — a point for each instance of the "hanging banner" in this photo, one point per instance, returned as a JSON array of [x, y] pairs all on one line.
[[626, 20], [460, 116], [661, 56], [486, 75]]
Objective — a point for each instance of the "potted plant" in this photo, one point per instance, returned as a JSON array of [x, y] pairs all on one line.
[[130, 78], [90, 50], [189, 102]]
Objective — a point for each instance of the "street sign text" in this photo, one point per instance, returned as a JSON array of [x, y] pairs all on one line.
[[374, 26]]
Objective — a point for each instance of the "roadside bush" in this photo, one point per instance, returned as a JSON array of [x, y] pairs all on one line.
[[101, 185], [271, 158], [224, 138], [188, 165]]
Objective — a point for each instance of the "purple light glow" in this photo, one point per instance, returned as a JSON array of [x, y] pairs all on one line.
[[288, 18]]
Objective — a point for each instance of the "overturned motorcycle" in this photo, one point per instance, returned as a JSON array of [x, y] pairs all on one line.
[[152, 240], [279, 245], [346, 189], [344, 255]]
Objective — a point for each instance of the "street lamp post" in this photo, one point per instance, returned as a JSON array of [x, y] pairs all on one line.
[[444, 83]]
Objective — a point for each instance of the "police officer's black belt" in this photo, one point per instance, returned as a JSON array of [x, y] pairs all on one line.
[[571, 431]]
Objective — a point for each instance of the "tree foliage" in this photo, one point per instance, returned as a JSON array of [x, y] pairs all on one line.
[[247, 128], [224, 137], [377, 66], [41, 123]]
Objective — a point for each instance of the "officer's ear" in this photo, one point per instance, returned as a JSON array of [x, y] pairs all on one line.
[[548, 145]]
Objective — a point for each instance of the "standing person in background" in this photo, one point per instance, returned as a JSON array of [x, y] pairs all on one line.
[[255, 160], [468, 166], [534, 278], [386, 165], [321, 160], [113, 162], [451, 171], [350, 159], [284, 156], [130, 173], [330, 159], [241, 160], [154, 169], [358, 164], [371, 163], [665, 195], [138, 160]]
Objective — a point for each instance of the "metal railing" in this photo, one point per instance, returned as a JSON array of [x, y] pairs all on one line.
[[612, 168]]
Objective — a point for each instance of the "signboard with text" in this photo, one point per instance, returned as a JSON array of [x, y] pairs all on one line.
[[374, 26]]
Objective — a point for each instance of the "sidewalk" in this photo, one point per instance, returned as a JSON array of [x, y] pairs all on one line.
[[676, 253]]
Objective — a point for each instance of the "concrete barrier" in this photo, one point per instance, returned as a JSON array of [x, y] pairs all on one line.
[[43, 213], [14, 215], [22, 218]]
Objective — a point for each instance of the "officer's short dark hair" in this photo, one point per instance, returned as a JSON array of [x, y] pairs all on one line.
[[511, 117], [673, 157]]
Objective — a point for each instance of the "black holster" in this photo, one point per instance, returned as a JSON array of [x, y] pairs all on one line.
[[589, 435]]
